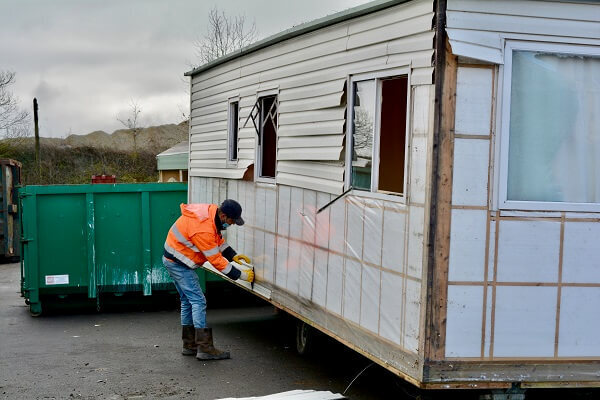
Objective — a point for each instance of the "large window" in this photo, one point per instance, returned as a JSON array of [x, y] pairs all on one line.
[[550, 142], [378, 106]]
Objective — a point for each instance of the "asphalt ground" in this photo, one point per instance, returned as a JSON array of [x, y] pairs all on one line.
[[132, 351]]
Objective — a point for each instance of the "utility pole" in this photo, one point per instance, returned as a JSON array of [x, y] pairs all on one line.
[[37, 136]]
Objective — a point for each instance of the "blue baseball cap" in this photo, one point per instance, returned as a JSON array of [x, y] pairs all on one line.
[[233, 210]]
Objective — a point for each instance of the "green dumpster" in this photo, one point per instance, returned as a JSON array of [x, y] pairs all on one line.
[[96, 240]]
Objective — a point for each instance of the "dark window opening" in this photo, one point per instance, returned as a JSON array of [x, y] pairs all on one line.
[[392, 134], [268, 136], [233, 130]]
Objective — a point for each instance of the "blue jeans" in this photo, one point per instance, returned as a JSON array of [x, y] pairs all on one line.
[[193, 302]]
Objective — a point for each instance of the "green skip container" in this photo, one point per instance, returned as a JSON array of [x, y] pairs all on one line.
[[93, 240]]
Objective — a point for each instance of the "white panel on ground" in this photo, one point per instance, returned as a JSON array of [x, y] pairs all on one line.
[[463, 327], [319, 284], [579, 325], [369, 301], [415, 241], [295, 395], [373, 225], [354, 240], [412, 315], [473, 101], [394, 224], [528, 251], [467, 245], [470, 172], [525, 321], [335, 276], [390, 313], [352, 276], [581, 258], [418, 169]]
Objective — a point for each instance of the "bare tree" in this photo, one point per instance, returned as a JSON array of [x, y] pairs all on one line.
[[132, 122], [12, 117], [225, 34]]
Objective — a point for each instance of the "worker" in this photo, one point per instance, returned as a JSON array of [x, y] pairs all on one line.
[[192, 240]]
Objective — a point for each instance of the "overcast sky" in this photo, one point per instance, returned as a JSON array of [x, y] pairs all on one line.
[[86, 60]]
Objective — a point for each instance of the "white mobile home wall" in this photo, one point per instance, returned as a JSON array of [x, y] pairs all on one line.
[[356, 269], [522, 285]]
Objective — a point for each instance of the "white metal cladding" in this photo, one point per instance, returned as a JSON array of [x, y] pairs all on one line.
[[477, 28], [522, 284], [310, 73], [354, 262]]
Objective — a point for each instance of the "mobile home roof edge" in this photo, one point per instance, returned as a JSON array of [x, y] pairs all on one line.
[[300, 30]]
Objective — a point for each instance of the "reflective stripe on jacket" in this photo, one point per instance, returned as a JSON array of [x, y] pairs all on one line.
[[193, 239]]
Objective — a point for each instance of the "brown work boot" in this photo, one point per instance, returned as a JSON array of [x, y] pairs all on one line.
[[189, 340], [206, 350]]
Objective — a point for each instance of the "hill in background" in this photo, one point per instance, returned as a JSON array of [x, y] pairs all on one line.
[[75, 159], [152, 139]]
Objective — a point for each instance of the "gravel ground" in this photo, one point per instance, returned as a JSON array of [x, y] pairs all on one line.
[[133, 352]]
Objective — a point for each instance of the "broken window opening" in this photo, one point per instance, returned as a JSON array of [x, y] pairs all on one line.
[[379, 113], [267, 137]]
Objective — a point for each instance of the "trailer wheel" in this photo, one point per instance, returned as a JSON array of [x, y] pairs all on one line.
[[305, 336]]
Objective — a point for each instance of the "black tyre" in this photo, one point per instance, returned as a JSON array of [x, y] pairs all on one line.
[[305, 337]]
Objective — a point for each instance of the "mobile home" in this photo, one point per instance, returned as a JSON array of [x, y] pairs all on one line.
[[420, 181]]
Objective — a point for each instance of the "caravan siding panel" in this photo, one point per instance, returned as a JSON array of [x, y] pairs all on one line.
[[310, 74], [477, 28], [522, 281], [345, 264]]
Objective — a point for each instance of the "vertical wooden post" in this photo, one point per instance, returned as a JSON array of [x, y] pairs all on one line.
[[441, 193], [37, 136]]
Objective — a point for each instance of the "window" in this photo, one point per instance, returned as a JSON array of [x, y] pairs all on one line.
[[550, 138], [232, 134], [264, 119], [378, 106]]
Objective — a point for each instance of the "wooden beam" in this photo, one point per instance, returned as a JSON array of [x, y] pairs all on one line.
[[438, 243]]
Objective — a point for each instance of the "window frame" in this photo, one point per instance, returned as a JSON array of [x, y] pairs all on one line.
[[258, 153], [230, 161], [503, 116], [378, 76]]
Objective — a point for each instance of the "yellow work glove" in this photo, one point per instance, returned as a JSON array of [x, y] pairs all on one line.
[[239, 257], [247, 275]]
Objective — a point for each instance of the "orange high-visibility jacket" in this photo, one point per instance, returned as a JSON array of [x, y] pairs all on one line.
[[194, 239]]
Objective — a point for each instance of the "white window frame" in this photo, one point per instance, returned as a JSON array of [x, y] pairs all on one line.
[[503, 115], [377, 76], [231, 162], [257, 153]]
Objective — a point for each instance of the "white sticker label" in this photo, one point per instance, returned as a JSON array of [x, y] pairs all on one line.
[[57, 279]]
